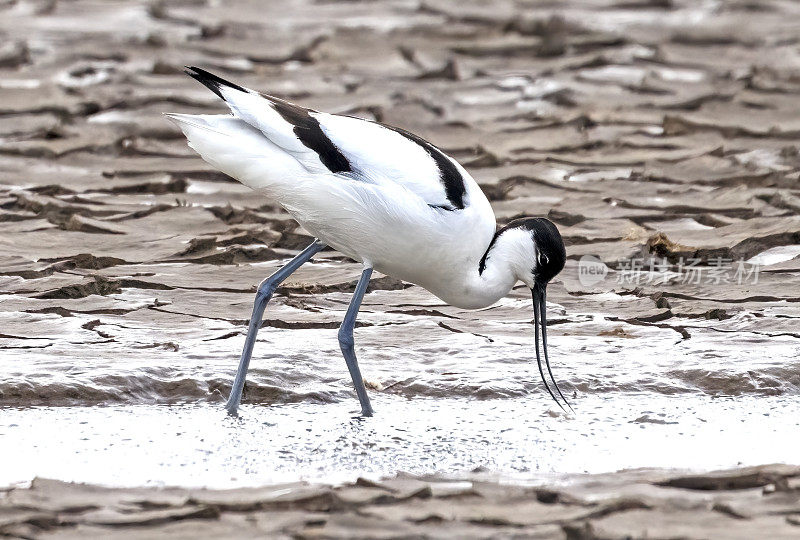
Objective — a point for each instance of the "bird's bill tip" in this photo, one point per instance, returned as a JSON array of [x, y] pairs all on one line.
[[539, 294]]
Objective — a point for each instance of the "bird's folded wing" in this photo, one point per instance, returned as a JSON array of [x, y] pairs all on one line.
[[351, 147]]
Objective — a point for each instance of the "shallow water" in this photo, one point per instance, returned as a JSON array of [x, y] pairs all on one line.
[[452, 402], [199, 445], [417, 352]]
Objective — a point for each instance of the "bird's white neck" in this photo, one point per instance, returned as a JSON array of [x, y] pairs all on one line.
[[508, 259]]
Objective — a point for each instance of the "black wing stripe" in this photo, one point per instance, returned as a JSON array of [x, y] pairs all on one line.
[[451, 179], [309, 132], [305, 126]]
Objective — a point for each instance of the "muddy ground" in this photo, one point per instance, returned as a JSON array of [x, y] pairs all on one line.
[[743, 504], [661, 132]]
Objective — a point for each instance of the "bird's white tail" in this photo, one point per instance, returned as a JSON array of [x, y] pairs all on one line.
[[238, 150]]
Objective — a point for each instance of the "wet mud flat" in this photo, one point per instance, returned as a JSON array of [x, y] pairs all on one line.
[[661, 138], [759, 502]]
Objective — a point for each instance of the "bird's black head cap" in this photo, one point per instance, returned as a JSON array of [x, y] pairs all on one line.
[[550, 252]]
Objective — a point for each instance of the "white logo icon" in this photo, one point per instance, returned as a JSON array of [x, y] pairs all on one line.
[[591, 270]]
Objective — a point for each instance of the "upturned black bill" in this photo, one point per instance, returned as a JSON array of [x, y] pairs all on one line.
[[540, 318]]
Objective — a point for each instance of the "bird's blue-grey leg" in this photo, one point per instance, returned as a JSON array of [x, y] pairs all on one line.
[[347, 343], [265, 290]]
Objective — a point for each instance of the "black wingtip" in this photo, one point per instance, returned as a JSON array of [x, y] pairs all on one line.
[[211, 81]]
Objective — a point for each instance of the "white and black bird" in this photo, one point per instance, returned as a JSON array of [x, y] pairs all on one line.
[[379, 195]]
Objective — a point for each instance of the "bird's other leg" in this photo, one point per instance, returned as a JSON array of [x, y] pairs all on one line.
[[347, 343], [265, 290]]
